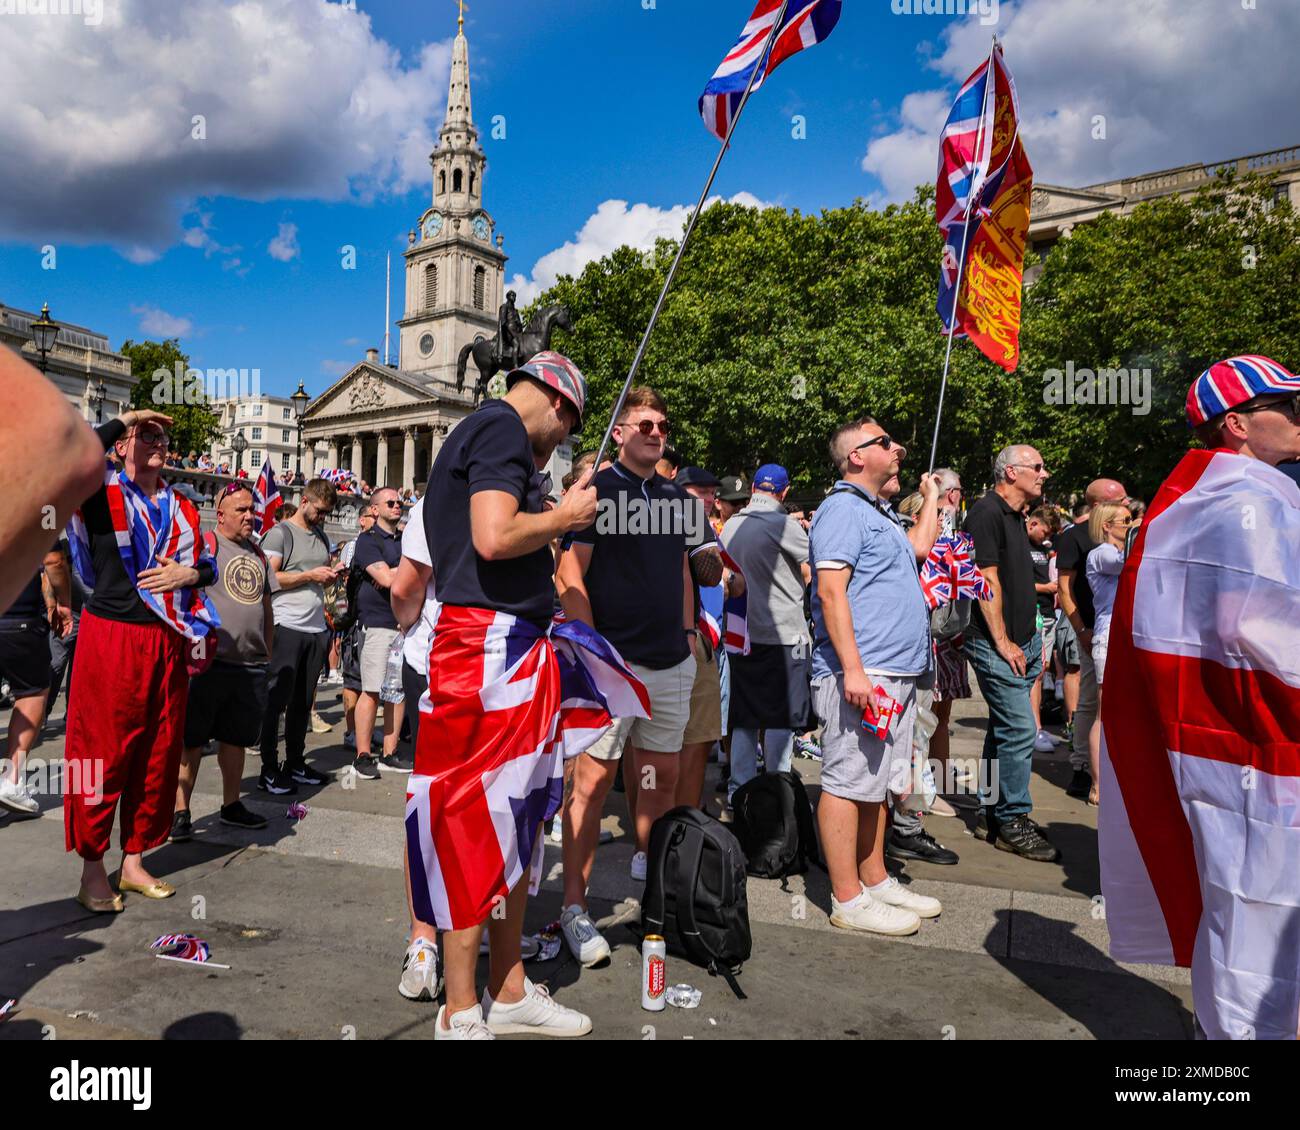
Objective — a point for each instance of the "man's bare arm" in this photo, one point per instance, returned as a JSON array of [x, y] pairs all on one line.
[[501, 531], [406, 593], [571, 584]]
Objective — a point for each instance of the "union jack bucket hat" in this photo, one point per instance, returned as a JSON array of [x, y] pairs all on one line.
[[1229, 384], [555, 371]]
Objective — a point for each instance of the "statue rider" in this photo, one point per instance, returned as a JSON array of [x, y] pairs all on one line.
[[509, 328]]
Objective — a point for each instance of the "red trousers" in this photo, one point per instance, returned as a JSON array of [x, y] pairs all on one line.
[[125, 726]]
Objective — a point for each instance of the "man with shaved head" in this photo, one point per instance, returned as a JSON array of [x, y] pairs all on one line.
[[1005, 648], [1072, 549]]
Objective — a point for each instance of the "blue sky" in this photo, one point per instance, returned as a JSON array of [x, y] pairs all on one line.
[[156, 234]]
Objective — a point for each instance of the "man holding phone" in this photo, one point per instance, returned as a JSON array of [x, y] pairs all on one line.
[[299, 553], [871, 642]]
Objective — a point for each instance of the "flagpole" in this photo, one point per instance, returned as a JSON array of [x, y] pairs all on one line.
[[690, 227], [388, 297], [990, 82]]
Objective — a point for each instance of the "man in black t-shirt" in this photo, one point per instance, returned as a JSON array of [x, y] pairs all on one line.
[[1005, 649], [1072, 549], [489, 539]]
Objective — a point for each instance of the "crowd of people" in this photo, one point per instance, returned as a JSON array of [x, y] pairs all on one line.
[[218, 641]]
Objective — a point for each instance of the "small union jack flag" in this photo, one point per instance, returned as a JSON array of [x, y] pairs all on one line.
[[266, 500], [950, 573]]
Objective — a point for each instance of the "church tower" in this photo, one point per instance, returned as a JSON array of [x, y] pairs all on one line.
[[455, 274]]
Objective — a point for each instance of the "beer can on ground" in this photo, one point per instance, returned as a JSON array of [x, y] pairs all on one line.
[[654, 974]]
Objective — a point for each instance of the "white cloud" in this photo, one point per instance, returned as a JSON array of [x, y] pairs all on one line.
[[335, 369], [299, 98], [1176, 82], [284, 246], [614, 224], [158, 323]]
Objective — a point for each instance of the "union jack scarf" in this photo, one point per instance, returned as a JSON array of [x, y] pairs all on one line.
[[735, 611], [166, 526], [950, 573]]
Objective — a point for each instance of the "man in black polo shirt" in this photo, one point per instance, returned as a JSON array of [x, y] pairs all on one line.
[[489, 539], [1005, 648], [1072, 549], [629, 576], [378, 553]]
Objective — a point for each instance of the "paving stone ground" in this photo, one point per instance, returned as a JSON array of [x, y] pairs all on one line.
[[310, 917]]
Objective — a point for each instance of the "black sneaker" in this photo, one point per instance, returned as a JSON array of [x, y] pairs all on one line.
[[278, 783], [1021, 836], [367, 767], [1080, 784], [237, 816], [983, 823], [182, 829], [304, 774], [396, 763], [922, 846]]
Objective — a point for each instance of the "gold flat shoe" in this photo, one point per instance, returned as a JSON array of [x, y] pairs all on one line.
[[158, 890], [100, 906]]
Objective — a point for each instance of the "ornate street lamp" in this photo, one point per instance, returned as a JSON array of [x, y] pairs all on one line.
[[240, 445], [45, 333], [97, 399], [300, 401]]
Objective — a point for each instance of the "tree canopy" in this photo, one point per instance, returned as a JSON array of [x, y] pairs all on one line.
[[194, 426], [780, 326]]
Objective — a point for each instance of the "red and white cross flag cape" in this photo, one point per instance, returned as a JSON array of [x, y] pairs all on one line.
[[1199, 824]]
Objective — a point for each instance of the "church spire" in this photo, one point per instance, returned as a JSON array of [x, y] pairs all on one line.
[[459, 119]]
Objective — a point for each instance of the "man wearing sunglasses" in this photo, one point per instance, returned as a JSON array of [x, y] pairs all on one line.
[[378, 553], [1005, 648], [1198, 823]]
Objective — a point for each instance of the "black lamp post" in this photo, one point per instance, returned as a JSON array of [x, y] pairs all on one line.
[[300, 401], [240, 445], [45, 333], [97, 399]]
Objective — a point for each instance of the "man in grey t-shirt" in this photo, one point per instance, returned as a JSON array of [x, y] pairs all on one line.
[[769, 686], [298, 552]]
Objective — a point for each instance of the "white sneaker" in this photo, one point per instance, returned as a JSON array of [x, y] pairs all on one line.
[[465, 1025], [895, 894], [556, 834], [638, 866], [874, 917], [537, 1014], [17, 798], [941, 807], [420, 978], [1044, 742], [585, 941]]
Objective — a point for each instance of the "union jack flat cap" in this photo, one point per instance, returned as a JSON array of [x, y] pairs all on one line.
[[555, 371], [1231, 383]]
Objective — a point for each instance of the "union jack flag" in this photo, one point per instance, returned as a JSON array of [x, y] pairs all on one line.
[[266, 500], [976, 142], [950, 573], [146, 529], [338, 476], [735, 614], [806, 23], [507, 702]]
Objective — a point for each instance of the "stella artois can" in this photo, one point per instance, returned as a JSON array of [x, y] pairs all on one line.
[[654, 973]]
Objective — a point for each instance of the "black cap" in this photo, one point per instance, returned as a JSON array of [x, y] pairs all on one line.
[[696, 477], [734, 489]]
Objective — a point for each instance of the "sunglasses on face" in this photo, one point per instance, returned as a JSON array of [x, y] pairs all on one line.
[[154, 436], [1290, 406], [646, 427], [1037, 468], [391, 502], [886, 442]]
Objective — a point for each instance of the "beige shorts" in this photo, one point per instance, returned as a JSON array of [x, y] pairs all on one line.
[[705, 723], [375, 646], [670, 708]]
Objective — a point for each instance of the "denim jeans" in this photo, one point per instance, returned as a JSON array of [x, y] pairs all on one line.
[[778, 753], [1010, 738]]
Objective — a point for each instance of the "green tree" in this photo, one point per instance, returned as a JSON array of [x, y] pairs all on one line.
[[781, 325], [194, 426]]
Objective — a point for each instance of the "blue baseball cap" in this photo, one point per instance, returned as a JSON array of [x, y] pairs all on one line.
[[772, 478]]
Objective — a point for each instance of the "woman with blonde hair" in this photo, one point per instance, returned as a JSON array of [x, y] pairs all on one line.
[[1108, 526]]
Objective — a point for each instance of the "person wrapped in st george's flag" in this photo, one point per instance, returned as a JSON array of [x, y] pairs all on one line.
[[512, 690], [1199, 825]]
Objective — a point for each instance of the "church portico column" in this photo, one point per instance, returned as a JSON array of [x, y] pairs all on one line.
[[309, 459], [355, 464], [333, 452], [408, 457], [381, 459]]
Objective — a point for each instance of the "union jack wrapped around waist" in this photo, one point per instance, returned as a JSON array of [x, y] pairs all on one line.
[[949, 573], [507, 701]]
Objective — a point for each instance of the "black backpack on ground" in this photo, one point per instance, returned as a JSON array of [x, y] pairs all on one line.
[[695, 891], [774, 824]]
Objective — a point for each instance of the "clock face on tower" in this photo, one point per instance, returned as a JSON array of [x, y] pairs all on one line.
[[481, 227], [432, 225]]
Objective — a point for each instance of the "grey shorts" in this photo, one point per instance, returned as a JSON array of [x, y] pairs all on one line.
[[856, 765], [1067, 643], [670, 709], [375, 645]]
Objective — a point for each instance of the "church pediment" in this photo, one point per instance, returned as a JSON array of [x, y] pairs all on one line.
[[368, 387]]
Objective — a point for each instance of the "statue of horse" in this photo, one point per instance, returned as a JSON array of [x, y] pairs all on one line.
[[535, 339]]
